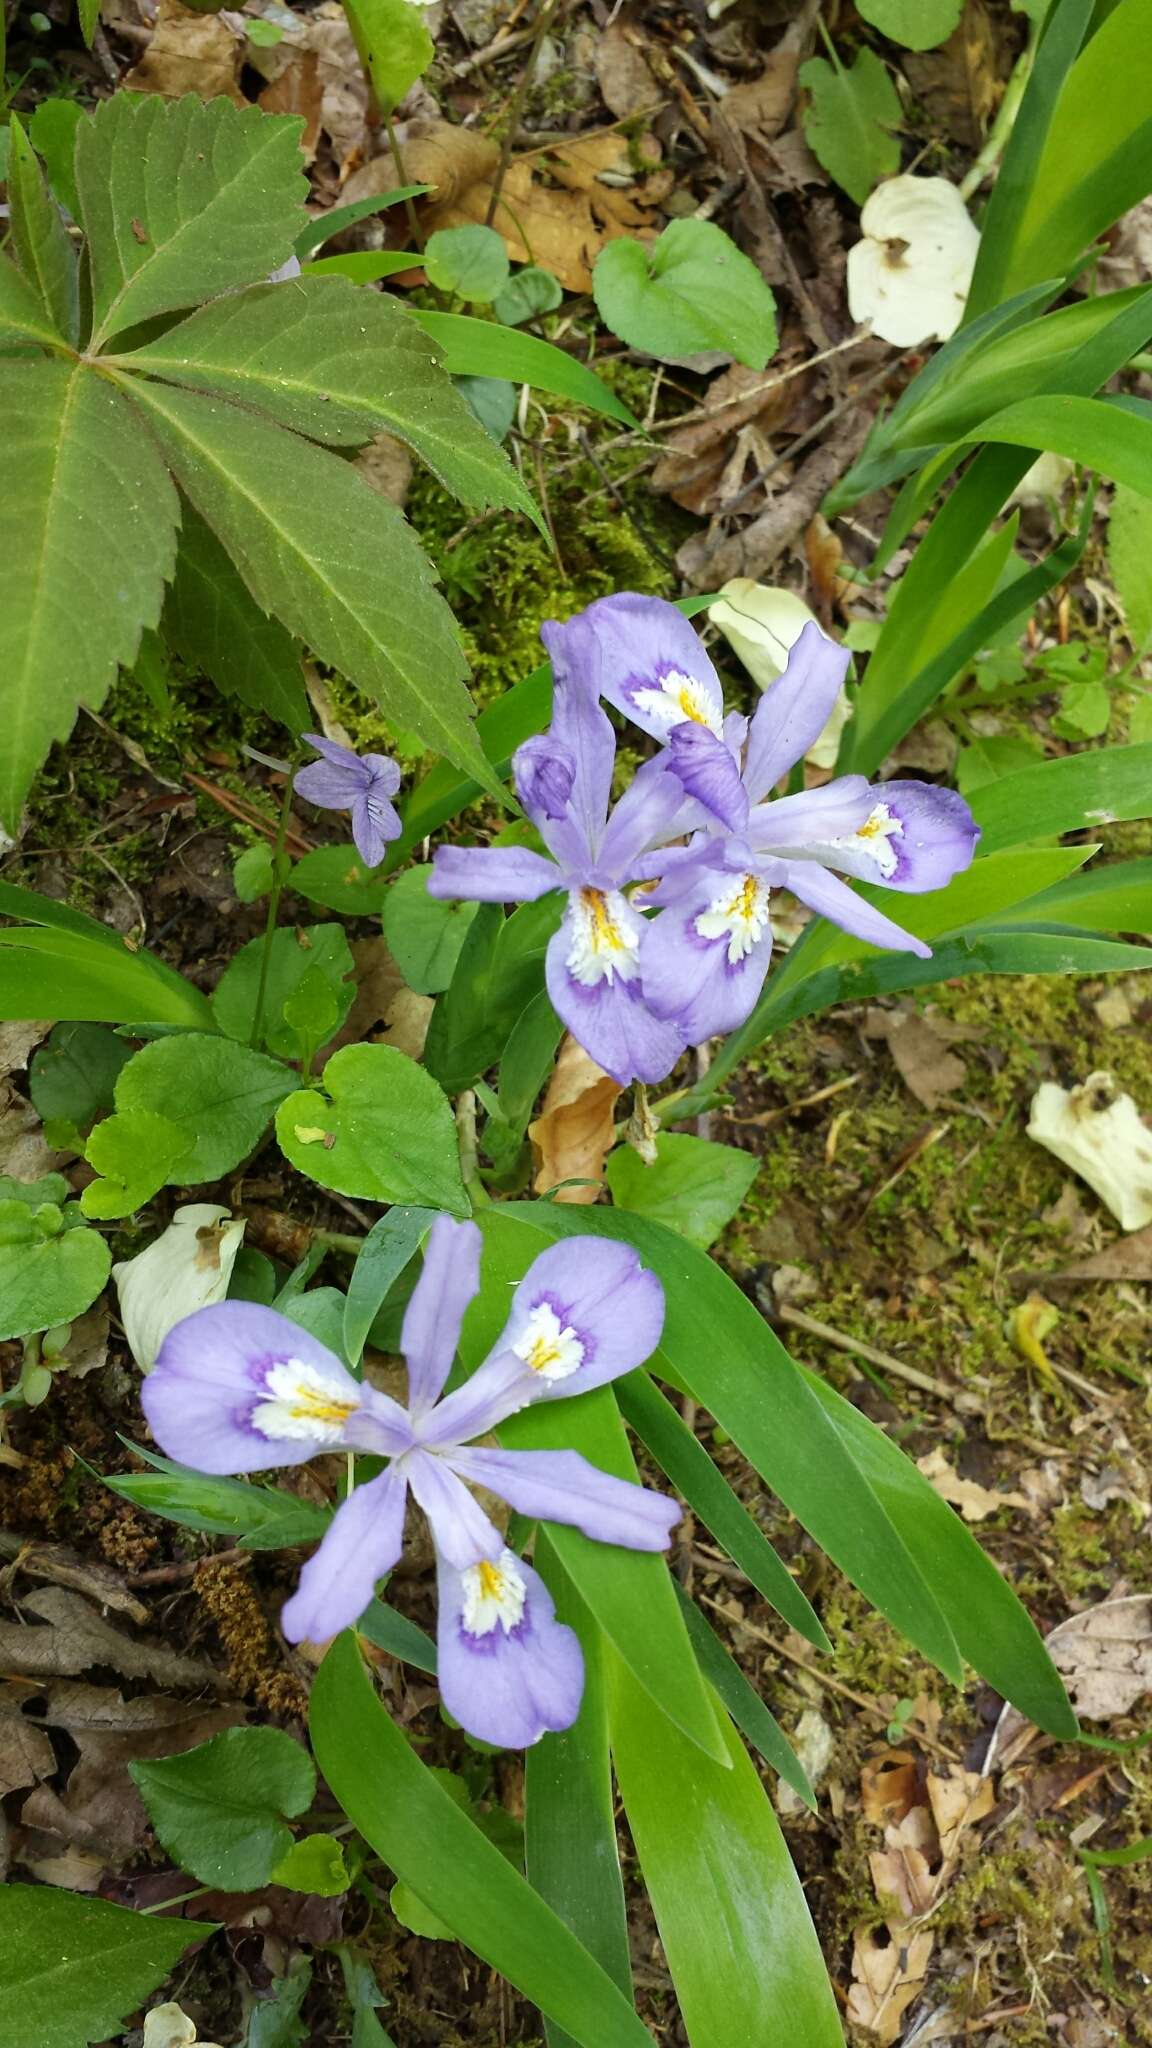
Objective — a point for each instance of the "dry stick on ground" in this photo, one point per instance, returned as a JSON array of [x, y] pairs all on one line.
[[543, 22], [883, 1359], [710, 562]]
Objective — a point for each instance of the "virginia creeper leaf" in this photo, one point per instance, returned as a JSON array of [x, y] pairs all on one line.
[[43, 250], [211, 619], [73, 1969]]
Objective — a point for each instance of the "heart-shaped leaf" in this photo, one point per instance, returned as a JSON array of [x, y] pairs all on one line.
[[692, 290], [382, 1129]]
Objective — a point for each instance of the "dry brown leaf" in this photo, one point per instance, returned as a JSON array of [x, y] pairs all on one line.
[[61, 1567], [958, 1800], [556, 208], [692, 469], [189, 52], [759, 107], [378, 983], [890, 1786], [928, 1067], [959, 83], [386, 464], [626, 85], [574, 1132], [907, 1872], [23, 1152], [974, 1501], [75, 1638], [888, 1969], [406, 1022], [824, 551], [1130, 1258], [1105, 1657], [17, 1041], [314, 71], [26, 1752], [87, 1347], [297, 90]]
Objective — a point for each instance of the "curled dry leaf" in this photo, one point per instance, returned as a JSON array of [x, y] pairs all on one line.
[[1100, 1134], [190, 52], [575, 1130], [909, 277], [920, 1050], [75, 1638], [890, 1785], [627, 86], [62, 1567], [1105, 1657], [759, 107], [974, 1501], [888, 1971], [698, 459]]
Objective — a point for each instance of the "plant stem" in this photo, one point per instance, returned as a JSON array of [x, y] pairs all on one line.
[[997, 138], [279, 872], [414, 228], [543, 22], [182, 1898], [468, 1147]]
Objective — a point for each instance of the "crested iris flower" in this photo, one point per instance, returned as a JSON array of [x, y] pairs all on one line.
[[704, 959], [360, 783], [239, 1388], [593, 968]]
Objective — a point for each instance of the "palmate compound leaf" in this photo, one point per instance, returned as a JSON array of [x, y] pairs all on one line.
[[182, 199], [211, 619], [73, 1969], [43, 248], [339, 364], [88, 521], [337, 564], [22, 315]]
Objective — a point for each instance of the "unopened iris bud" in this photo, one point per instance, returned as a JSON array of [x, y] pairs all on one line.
[[545, 774]]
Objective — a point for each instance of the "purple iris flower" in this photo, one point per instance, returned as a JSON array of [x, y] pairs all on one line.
[[239, 1388], [360, 783], [705, 957], [593, 967]]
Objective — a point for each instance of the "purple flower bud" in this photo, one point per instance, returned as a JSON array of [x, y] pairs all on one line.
[[545, 772]]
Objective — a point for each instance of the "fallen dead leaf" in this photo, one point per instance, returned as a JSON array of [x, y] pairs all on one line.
[[406, 1022], [23, 1152], [1130, 1258], [888, 1971], [824, 551], [890, 1786], [627, 86], [814, 1745], [906, 1872], [920, 1048], [378, 983], [26, 1752], [62, 1567], [574, 1133], [959, 83], [958, 1800], [759, 107], [75, 1638], [974, 1501], [87, 1347], [1105, 1656], [315, 71], [694, 469], [189, 52], [17, 1041]]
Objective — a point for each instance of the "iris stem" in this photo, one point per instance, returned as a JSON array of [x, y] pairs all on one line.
[[279, 875]]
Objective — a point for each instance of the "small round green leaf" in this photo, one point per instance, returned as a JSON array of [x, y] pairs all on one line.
[[47, 1275], [253, 873], [691, 291], [221, 1095], [135, 1153], [381, 1129], [73, 1074], [337, 877], [472, 262], [218, 1808], [314, 1864], [916, 24], [528, 292]]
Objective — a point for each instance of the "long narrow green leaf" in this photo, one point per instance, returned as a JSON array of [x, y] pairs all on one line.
[[339, 364], [405, 1814], [481, 348], [386, 1251], [93, 983], [1114, 898], [326, 554], [571, 1854], [731, 1912], [993, 1629], [743, 1702], [77, 467], [718, 1347], [398, 1636], [692, 1472], [1070, 794], [992, 280], [323, 226]]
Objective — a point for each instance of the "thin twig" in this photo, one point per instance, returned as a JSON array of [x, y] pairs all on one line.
[[883, 1359], [414, 228], [543, 22]]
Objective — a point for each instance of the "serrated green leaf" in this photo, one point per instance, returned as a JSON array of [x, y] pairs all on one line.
[[692, 290], [211, 619], [424, 934], [219, 1809], [329, 557], [394, 45], [43, 250], [295, 952], [22, 315], [471, 261], [73, 1074], [916, 24], [849, 120], [1129, 553], [46, 1277], [339, 364], [52, 132], [693, 1185], [221, 1095], [181, 199], [73, 1969], [87, 532], [382, 1129]]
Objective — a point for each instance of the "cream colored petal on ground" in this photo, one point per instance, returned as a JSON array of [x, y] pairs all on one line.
[[761, 626], [909, 277], [1101, 1135], [187, 1267]]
